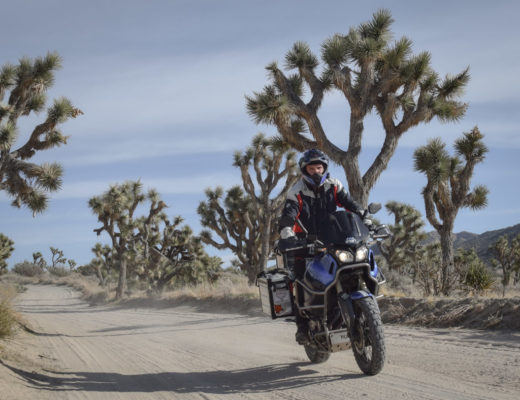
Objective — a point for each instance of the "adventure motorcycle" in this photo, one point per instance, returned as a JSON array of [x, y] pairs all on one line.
[[338, 292]]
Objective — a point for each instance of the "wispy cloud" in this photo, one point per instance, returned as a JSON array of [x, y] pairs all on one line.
[[180, 185], [162, 91]]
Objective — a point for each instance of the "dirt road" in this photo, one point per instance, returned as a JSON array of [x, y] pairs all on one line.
[[178, 353]]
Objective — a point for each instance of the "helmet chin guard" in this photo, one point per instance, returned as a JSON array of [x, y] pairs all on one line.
[[315, 181]]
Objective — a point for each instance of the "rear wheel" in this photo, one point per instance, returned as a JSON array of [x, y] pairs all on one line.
[[315, 356], [368, 345]]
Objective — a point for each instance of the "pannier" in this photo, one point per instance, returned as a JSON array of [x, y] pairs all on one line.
[[275, 293]]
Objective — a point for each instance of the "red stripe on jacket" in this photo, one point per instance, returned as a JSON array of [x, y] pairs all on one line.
[[296, 228]]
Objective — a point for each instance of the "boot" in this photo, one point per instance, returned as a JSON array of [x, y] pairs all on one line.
[[302, 336]]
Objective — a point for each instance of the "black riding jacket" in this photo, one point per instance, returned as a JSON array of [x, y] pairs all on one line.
[[311, 208]]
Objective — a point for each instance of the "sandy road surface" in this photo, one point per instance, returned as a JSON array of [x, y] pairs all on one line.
[[109, 353]]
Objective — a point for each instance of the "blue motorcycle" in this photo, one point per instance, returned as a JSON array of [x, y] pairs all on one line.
[[338, 292]]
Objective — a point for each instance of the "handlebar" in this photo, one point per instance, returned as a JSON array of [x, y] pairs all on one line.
[[300, 244]]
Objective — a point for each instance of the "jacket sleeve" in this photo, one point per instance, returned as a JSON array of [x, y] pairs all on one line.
[[347, 202], [289, 214]]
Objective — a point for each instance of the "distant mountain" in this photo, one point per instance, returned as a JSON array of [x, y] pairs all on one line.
[[480, 243]]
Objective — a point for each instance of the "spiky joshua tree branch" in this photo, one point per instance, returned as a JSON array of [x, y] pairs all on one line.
[[373, 74], [28, 183], [6, 248]]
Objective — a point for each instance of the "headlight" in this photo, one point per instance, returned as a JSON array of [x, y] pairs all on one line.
[[361, 254], [344, 256]]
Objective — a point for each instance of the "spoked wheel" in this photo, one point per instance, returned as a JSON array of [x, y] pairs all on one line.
[[368, 345], [315, 356]]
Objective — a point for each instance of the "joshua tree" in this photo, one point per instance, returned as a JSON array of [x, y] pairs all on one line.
[[27, 82], [244, 223], [102, 262], [72, 264], [115, 211], [232, 220], [6, 248], [507, 257], [264, 159], [373, 74], [39, 260], [57, 257], [407, 233], [448, 189], [169, 252]]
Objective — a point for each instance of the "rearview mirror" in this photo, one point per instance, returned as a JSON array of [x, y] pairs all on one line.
[[374, 207]]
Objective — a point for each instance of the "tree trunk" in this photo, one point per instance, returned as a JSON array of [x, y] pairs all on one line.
[[447, 268], [266, 236], [121, 286], [505, 280], [252, 271], [356, 188], [100, 275], [350, 163]]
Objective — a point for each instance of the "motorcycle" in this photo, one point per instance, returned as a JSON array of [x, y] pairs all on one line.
[[339, 290]]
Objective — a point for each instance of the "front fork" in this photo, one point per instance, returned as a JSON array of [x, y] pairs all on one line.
[[346, 305]]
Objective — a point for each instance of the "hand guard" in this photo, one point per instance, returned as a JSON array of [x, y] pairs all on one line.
[[291, 243]]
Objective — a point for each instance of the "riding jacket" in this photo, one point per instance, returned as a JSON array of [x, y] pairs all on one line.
[[312, 207]]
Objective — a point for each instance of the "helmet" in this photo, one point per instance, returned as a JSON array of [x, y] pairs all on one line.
[[314, 156]]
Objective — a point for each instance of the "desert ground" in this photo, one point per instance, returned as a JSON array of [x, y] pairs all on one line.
[[79, 351]]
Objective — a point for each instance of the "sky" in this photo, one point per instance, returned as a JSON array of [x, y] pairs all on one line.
[[162, 85]]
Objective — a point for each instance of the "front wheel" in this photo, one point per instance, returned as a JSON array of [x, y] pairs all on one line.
[[368, 344]]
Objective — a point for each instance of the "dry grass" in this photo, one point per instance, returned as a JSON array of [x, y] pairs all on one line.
[[229, 286], [7, 315], [230, 294]]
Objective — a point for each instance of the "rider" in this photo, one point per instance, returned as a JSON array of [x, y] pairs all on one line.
[[311, 201]]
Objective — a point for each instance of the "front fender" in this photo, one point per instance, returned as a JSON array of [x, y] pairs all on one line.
[[360, 294]]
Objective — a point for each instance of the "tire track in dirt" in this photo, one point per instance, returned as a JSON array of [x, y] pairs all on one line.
[[116, 353]]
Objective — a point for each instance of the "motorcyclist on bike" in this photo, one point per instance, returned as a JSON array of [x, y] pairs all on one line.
[[311, 201]]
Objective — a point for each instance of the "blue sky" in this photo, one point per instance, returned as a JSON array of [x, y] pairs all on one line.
[[162, 86]]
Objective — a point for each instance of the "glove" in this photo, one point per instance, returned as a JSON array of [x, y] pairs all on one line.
[[287, 233]]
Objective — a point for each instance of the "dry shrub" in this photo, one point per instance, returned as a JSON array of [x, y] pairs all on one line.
[[400, 285], [27, 268], [7, 316], [228, 286], [59, 271]]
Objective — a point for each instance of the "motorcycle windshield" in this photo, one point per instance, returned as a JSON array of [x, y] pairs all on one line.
[[343, 227]]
